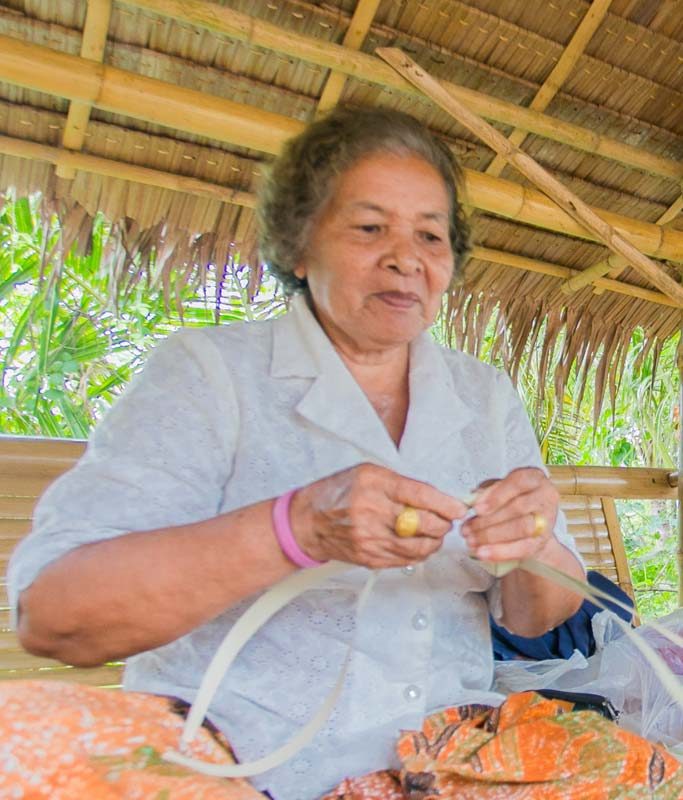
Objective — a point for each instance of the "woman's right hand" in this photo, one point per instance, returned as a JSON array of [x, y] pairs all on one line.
[[351, 516]]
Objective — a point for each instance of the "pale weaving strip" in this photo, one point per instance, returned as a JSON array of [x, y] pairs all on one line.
[[284, 592]]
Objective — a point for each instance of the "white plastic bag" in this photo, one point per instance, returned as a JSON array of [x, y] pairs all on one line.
[[524, 676], [620, 673]]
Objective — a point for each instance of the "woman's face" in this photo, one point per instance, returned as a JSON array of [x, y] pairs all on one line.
[[379, 257]]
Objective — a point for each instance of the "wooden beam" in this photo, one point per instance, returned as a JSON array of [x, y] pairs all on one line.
[[134, 95], [353, 39], [626, 483], [614, 263], [258, 33], [122, 92], [127, 172], [564, 198], [515, 261], [92, 47], [550, 87]]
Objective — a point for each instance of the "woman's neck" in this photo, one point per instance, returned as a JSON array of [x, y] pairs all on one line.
[[380, 371], [385, 382]]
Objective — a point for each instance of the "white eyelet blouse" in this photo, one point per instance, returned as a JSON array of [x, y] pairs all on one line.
[[224, 417]]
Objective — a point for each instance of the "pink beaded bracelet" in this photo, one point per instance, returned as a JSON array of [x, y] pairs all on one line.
[[284, 535]]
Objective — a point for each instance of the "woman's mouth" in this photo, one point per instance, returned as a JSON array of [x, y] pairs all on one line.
[[399, 300]]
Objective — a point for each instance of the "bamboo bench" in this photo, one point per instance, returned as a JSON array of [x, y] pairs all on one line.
[[28, 466]]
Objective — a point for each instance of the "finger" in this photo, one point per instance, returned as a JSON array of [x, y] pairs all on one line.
[[417, 549], [423, 496], [522, 507], [394, 552], [531, 525], [509, 551], [519, 482]]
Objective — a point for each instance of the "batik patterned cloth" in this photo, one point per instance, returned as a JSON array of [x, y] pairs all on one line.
[[64, 741], [528, 749]]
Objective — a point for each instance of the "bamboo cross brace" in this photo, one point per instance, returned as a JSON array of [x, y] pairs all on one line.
[[612, 262], [556, 191]]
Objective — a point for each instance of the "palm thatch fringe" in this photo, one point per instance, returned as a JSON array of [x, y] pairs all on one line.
[[169, 241], [562, 340]]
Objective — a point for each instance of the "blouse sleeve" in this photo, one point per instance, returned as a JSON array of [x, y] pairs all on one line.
[[521, 450], [160, 457]]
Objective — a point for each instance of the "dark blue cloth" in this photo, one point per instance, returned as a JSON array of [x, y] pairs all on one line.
[[576, 633]]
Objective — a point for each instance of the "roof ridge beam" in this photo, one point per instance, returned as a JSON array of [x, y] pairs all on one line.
[[122, 92], [364, 67]]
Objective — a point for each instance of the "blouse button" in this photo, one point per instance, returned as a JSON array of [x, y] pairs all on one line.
[[420, 621], [409, 570], [412, 692]]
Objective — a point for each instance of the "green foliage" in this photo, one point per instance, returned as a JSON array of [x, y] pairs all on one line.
[[67, 350], [641, 429]]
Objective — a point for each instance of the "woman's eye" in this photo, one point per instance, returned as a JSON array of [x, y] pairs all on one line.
[[431, 237], [369, 228]]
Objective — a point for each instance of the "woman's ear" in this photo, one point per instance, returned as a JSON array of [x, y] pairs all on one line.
[[300, 271]]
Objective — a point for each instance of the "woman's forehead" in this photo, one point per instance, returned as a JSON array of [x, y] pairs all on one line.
[[380, 180]]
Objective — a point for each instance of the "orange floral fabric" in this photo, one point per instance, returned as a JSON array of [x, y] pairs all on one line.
[[528, 749], [65, 741]]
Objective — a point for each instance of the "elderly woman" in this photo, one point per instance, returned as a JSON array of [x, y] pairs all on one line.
[[244, 453]]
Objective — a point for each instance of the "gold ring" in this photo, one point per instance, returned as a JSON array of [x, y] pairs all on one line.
[[540, 524], [407, 522]]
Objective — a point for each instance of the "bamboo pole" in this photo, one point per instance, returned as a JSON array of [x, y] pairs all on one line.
[[128, 172], [514, 201], [557, 271], [566, 199], [626, 483], [244, 28], [559, 74], [614, 262], [123, 92], [354, 37], [92, 47]]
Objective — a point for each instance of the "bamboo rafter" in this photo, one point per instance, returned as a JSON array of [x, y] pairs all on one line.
[[258, 33], [614, 263], [354, 37], [567, 200], [156, 101], [516, 261], [92, 47], [572, 53]]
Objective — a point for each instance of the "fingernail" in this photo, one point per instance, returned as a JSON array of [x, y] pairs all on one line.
[[483, 553]]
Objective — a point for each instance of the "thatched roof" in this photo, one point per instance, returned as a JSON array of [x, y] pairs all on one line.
[[160, 113]]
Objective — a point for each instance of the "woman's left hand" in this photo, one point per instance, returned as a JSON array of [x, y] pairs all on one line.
[[514, 517]]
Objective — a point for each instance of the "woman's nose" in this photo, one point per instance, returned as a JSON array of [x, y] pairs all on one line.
[[401, 256]]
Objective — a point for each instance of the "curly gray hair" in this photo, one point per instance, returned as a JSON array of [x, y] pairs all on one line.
[[302, 179]]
